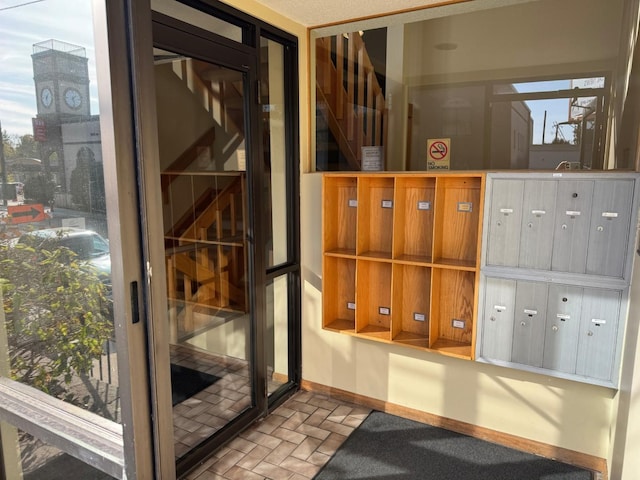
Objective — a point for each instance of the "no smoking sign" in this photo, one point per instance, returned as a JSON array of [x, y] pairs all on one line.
[[438, 153]]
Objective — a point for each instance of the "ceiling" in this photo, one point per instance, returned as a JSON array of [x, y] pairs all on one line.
[[313, 13]]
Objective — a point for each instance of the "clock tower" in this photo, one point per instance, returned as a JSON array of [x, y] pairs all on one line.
[[61, 77]]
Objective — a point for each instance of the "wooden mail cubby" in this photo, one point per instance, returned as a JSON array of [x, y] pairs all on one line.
[[401, 258]]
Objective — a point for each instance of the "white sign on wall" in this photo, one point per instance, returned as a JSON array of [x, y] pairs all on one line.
[[372, 159], [438, 153]]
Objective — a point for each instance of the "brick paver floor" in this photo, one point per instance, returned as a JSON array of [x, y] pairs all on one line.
[[293, 443]]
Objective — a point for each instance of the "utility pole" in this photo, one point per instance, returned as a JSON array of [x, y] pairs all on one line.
[[4, 169]]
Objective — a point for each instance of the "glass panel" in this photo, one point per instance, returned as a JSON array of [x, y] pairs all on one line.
[[275, 153], [277, 343], [549, 85], [478, 46], [543, 134], [351, 111], [29, 458], [456, 113], [54, 256], [197, 18], [202, 163]]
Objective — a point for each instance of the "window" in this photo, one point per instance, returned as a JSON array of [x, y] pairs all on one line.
[[504, 92]]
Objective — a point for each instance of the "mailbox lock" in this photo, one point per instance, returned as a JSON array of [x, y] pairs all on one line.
[[564, 226], [492, 318], [590, 333], [530, 225], [600, 228], [564, 299], [499, 223], [554, 328], [524, 324], [575, 195]]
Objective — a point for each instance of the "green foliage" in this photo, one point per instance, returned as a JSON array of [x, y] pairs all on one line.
[[27, 147], [7, 145], [39, 189], [87, 182], [57, 315]]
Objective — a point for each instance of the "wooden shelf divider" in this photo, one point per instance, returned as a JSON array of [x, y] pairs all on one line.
[[401, 258]]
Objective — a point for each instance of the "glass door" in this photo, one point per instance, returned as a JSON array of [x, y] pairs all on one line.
[[203, 103]]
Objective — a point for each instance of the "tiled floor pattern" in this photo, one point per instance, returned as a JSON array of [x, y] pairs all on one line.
[[198, 417], [293, 443]]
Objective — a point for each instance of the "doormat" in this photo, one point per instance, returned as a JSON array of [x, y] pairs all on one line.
[[389, 447], [186, 382]]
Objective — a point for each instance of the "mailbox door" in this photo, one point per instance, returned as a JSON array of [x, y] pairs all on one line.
[[497, 329], [563, 322], [538, 214], [571, 232], [529, 323], [598, 333], [609, 228], [505, 218]]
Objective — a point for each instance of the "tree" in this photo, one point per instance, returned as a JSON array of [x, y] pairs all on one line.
[[57, 315], [87, 182], [7, 145], [27, 147], [40, 189]]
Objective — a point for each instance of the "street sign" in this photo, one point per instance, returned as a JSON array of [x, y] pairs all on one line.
[[26, 213], [39, 129]]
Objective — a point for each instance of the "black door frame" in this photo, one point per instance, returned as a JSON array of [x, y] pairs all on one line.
[[179, 37]]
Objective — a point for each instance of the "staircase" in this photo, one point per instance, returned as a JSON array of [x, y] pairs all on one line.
[[204, 206], [349, 96]]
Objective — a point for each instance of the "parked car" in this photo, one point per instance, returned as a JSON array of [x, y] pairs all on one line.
[[88, 245]]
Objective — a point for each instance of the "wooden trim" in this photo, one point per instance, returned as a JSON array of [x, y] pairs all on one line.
[[579, 459]]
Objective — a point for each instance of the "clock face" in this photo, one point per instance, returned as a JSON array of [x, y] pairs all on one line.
[[46, 97], [72, 98]]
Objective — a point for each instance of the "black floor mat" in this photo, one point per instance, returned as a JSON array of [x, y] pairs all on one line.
[[186, 382], [390, 447]]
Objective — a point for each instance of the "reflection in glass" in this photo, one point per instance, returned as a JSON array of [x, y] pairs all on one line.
[[55, 264], [202, 163], [273, 116], [277, 333], [484, 51]]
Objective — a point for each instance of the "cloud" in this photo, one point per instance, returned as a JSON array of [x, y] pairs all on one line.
[[68, 21]]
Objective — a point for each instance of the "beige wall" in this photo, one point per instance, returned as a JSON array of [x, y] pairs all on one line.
[[568, 414]]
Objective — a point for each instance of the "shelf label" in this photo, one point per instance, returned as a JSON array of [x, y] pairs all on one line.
[[563, 316], [556, 175], [419, 317], [528, 311], [506, 211], [598, 321], [384, 310], [351, 306], [465, 206], [610, 214], [424, 205], [500, 308], [573, 213], [538, 212], [387, 203], [457, 323], [353, 202]]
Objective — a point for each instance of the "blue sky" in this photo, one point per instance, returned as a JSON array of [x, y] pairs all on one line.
[[557, 109], [20, 28]]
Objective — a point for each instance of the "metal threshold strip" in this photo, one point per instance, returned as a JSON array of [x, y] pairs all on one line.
[[92, 439]]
